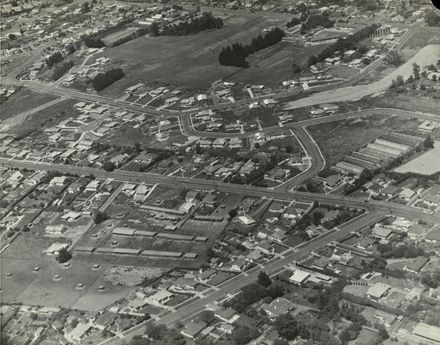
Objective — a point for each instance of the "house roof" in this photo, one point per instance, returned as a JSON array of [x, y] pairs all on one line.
[[427, 331], [299, 276], [193, 328], [279, 306], [246, 220], [382, 232], [378, 290]]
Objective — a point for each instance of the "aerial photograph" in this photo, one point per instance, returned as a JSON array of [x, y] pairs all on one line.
[[220, 172]]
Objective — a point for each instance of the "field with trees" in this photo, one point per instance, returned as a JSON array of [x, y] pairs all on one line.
[[190, 60]]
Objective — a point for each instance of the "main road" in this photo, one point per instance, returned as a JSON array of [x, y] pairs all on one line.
[[200, 184], [235, 284]]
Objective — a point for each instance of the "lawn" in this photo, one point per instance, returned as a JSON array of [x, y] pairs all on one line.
[[22, 101], [338, 139], [190, 61], [342, 71]]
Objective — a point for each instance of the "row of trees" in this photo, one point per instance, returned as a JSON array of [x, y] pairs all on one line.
[[316, 20], [432, 18], [236, 54], [253, 293], [344, 44], [205, 22], [93, 42], [62, 69], [402, 251], [102, 80], [53, 59]]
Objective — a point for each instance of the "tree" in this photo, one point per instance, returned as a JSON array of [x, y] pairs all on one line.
[[100, 217], [139, 340], [232, 213], [109, 166], [154, 28], [316, 217], [416, 71], [382, 331], [286, 326], [63, 255], [296, 68], [394, 58], [428, 143], [242, 335], [264, 279], [102, 80], [432, 18], [399, 81]]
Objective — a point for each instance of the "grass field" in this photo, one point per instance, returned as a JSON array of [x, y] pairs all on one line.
[[341, 71], [28, 287], [273, 65], [426, 164], [191, 60], [46, 117], [22, 101], [338, 139]]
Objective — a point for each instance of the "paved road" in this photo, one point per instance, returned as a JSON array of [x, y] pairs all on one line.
[[317, 161], [238, 282], [426, 56], [259, 192], [234, 285], [305, 139]]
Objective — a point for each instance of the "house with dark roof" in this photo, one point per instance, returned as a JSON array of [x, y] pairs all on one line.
[[277, 307]]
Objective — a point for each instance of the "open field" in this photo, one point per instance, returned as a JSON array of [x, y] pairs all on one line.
[[274, 64], [39, 288], [185, 60], [342, 71], [426, 164], [46, 117], [426, 56], [338, 139], [23, 100]]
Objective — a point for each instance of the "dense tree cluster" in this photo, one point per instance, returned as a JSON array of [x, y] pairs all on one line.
[[236, 54], [306, 327], [344, 44], [159, 335], [402, 251], [61, 69], [102, 80], [316, 20], [100, 217], [293, 22], [93, 42], [243, 335], [205, 22], [432, 18], [53, 59], [253, 293]]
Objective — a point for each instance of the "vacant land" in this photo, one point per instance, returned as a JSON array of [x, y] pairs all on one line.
[[338, 139], [22, 101], [274, 64], [39, 288], [46, 117], [185, 60], [426, 164]]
